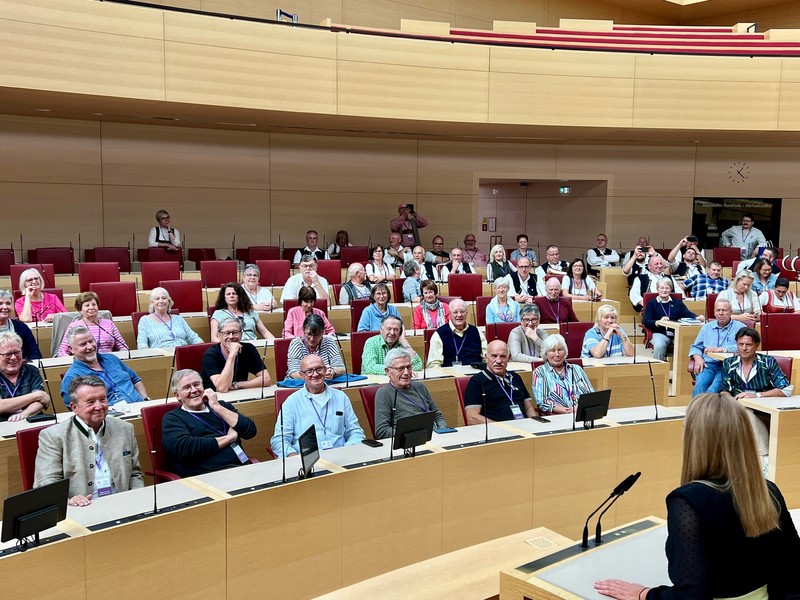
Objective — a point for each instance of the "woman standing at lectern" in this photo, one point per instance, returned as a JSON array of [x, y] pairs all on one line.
[[730, 534]]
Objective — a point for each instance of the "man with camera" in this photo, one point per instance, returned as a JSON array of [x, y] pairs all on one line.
[[407, 224], [686, 258], [635, 261]]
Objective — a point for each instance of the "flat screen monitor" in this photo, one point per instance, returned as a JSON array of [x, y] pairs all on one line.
[[593, 405], [30, 512], [309, 450], [413, 431]]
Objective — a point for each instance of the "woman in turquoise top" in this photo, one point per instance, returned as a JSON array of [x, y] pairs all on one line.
[[233, 303], [502, 309], [379, 296], [765, 278]]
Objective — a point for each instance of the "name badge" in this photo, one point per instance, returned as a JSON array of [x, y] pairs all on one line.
[[104, 491], [517, 412], [240, 454], [670, 333], [456, 363], [326, 444]]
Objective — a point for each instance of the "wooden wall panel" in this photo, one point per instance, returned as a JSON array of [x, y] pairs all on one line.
[[367, 165], [773, 172], [509, 206], [184, 157], [451, 216], [206, 217], [49, 150], [514, 10], [387, 15], [413, 53], [564, 63], [664, 220]]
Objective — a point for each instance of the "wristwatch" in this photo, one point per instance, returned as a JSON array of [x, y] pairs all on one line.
[[235, 385], [758, 394]]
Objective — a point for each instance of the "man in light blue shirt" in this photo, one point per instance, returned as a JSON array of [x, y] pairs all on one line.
[[327, 408], [714, 336]]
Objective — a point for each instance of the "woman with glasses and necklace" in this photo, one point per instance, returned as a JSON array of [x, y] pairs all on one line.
[[164, 236], [525, 341], [35, 305], [30, 349], [108, 337]]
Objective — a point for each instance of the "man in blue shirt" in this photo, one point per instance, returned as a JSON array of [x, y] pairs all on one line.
[[715, 336], [123, 385], [316, 403]]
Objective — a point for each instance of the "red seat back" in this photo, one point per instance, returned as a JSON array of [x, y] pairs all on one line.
[[357, 341], [785, 363], [726, 256], [118, 254], [711, 299], [6, 260], [46, 269], [27, 447], [155, 272], [191, 356], [331, 270], [397, 290], [158, 255], [96, 272], [187, 294], [256, 253], [117, 297], [273, 272], [357, 307], [500, 331], [461, 389], [780, 331], [152, 416], [466, 285], [481, 302], [216, 273], [368, 400], [282, 358], [574, 334], [47, 290], [351, 254], [198, 255], [62, 258]]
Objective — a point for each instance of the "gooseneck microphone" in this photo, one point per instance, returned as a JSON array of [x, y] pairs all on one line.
[[485, 418], [621, 488], [344, 361], [394, 423], [155, 477], [653, 383], [283, 449]]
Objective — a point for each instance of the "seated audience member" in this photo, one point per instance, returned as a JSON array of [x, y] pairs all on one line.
[[472, 254], [779, 299], [376, 348], [227, 365], [601, 255], [35, 305], [769, 254], [318, 404], [685, 259], [648, 282], [438, 256], [373, 315], [700, 285], [22, 391], [260, 297], [233, 303], [457, 265], [764, 277], [307, 277], [501, 309], [405, 224], [503, 392], [457, 342], [552, 307], [412, 291], [314, 341], [635, 261], [607, 337], [204, 434], [525, 341], [523, 282], [295, 316], [431, 312], [342, 241], [744, 301], [97, 453], [498, 266], [356, 287], [124, 385], [30, 349], [745, 237], [108, 337], [665, 308], [557, 384], [164, 236], [161, 329], [714, 336], [753, 375], [402, 397], [427, 270], [379, 271], [554, 267], [577, 284], [522, 250], [395, 251], [311, 248]]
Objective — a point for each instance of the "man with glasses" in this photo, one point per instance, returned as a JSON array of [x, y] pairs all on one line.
[[745, 237], [123, 385], [552, 267], [456, 266], [472, 254], [376, 348], [408, 223], [438, 256], [525, 341], [227, 365], [311, 248], [21, 388], [524, 282], [164, 236], [601, 255], [318, 404], [203, 434], [402, 397], [307, 277]]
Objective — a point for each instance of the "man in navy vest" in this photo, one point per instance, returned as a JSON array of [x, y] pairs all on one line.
[[457, 342]]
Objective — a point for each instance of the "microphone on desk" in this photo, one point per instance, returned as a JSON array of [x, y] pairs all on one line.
[[653, 383], [393, 423], [344, 362], [36, 327], [765, 319], [205, 290], [621, 488], [485, 418], [263, 358], [155, 476], [43, 417], [425, 342]]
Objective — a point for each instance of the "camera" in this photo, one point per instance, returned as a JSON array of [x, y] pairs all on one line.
[[410, 207], [692, 239]]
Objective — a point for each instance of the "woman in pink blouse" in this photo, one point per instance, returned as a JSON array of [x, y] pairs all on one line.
[[35, 305], [431, 313], [108, 337], [293, 323]]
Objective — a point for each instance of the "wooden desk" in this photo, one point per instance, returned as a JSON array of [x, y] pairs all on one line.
[[617, 287], [681, 388]]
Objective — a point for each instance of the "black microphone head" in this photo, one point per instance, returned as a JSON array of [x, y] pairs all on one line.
[[626, 484]]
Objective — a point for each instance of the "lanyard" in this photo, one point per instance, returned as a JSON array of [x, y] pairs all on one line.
[[249, 295], [167, 324], [508, 393], [422, 407], [556, 314], [321, 420], [721, 343], [463, 341], [222, 431], [668, 312], [12, 393]]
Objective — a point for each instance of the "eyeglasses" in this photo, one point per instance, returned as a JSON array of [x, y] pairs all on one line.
[[403, 368], [314, 371], [14, 353], [195, 385], [165, 218], [523, 266], [530, 320], [235, 333]]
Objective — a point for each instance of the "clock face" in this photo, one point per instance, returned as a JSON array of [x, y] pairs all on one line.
[[739, 172]]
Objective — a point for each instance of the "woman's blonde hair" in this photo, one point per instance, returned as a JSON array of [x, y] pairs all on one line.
[[719, 444], [494, 249], [605, 309]]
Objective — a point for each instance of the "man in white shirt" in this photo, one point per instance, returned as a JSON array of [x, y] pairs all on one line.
[[552, 267], [311, 248], [648, 282], [601, 255], [745, 237], [306, 277], [457, 265]]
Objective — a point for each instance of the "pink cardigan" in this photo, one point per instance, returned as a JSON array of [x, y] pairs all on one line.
[[293, 325]]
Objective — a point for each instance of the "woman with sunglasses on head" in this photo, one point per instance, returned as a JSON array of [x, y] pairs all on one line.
[[371, 318], [233, 303]]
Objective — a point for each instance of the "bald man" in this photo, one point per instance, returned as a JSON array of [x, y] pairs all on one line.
[[457, 342], [554, 308]]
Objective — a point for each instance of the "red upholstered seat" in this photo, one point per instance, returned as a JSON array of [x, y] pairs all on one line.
[[27, 447], [152, 416], [216, 273], [153, 273], [368, 400], [187, 294], [96, 272], [117, 297]]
